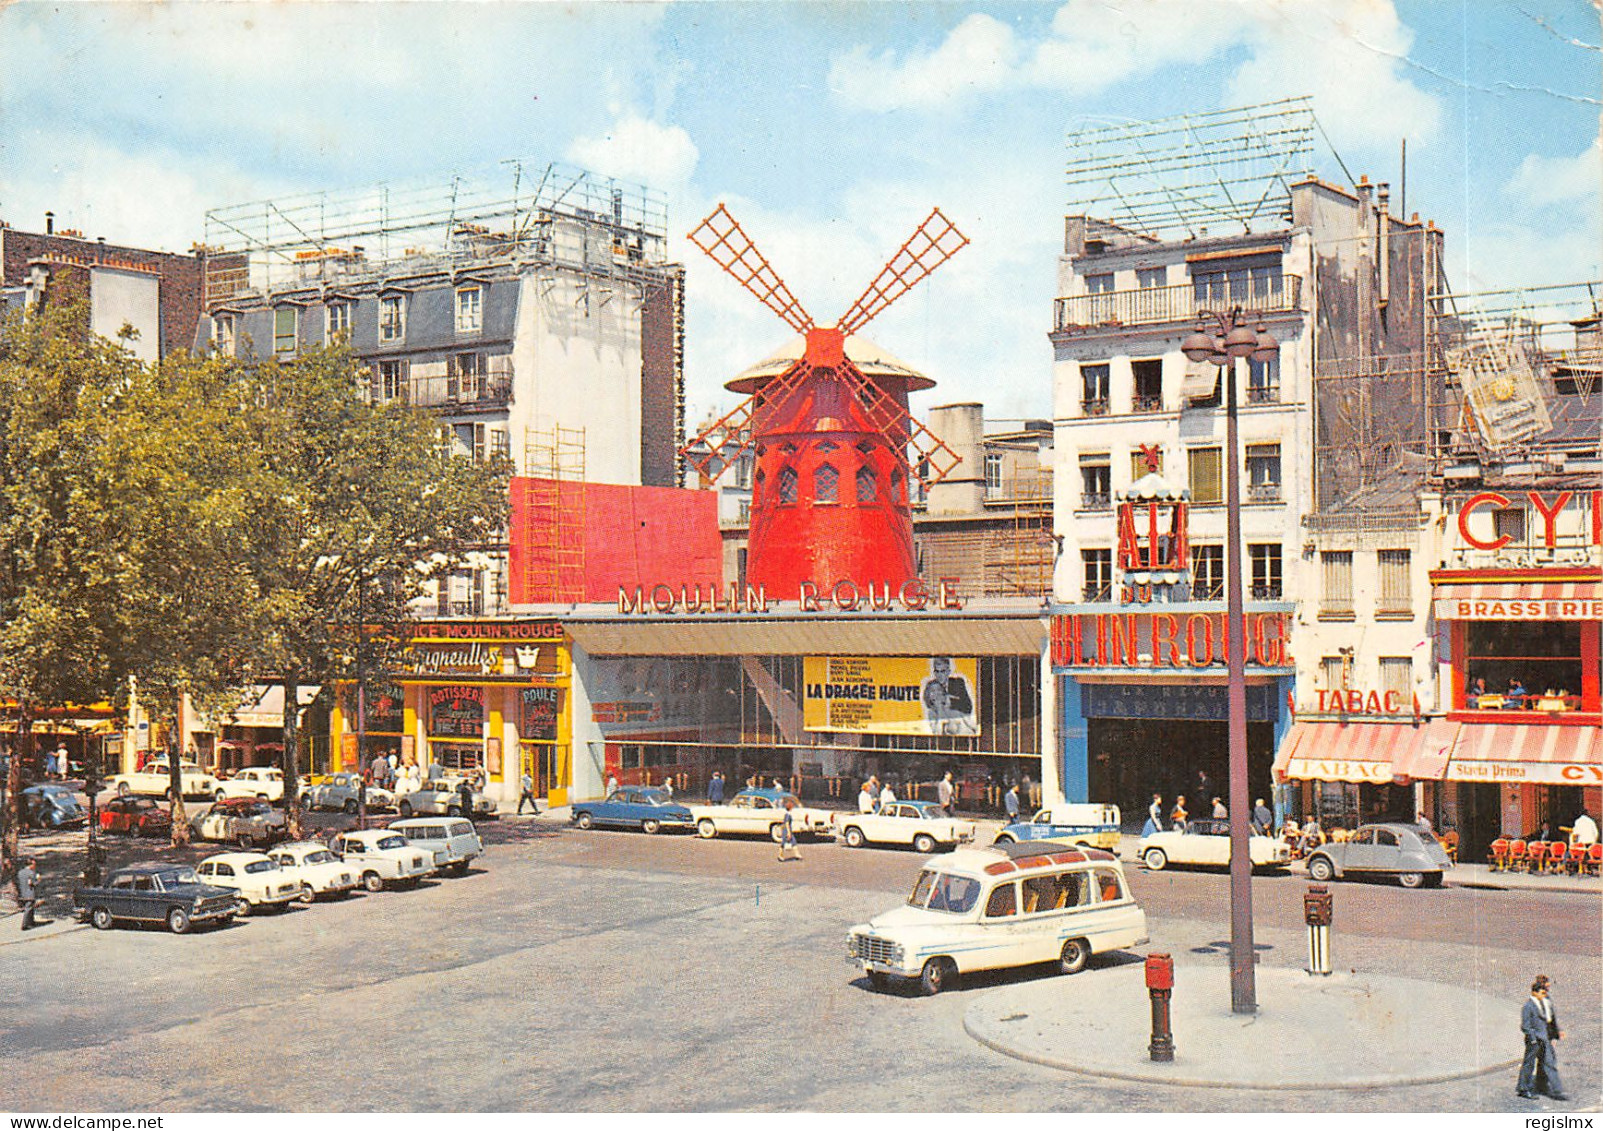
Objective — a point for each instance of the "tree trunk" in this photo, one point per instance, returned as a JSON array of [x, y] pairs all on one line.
[[175, 787], [291, 757], [9, 845]]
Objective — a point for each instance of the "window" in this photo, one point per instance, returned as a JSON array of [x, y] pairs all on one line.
[[336, 322], [1397, 674], [867, 485], [1099, 284], [1544, 658], [1263, 473], [1207, 480], [826, 484], [1265, 561], [392, 318], [469, 310], [500, 443], [1333, 673], [469, 440], [1094, 390], [1055, 892], [1147, 392], [1138, 464], [1263, 381], [223, 334], [1510, 522], [788, 481], [391, 383], [1003, 901], [464, 383], [1108, 886], [1149, 277], [1396, 584], [1096, 481], [1207, 573], [1336, 591], [285, 326], [1258, 284], [993, 475], [1098, 568]]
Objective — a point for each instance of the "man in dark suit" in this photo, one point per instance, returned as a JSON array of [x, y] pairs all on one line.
[[1539, 1026]]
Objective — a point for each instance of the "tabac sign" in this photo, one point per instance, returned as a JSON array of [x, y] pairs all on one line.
[[1161, 640]]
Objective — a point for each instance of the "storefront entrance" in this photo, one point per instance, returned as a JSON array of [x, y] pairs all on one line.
[[1131, 759]]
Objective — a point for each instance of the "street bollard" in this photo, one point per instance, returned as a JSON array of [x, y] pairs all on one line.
[[1318, 909], [1160, 984]]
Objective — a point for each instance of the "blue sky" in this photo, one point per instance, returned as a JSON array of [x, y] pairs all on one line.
[[830, 129]]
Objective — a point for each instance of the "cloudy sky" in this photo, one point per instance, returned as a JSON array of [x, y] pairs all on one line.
[[830, 129]]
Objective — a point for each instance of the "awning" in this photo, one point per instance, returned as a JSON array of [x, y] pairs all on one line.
[[1372, 752], [1519, 600], [953, 634], [1549, 754]]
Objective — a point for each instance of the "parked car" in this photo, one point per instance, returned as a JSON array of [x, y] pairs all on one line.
[[441, 797], [244, 821], [1207, 841], [761, 811], [1093, 825], [156, 893], [339, 791], [258, 880], [452, 841], [152, 781], [135, 816], [52, 807], [1007, 905], [633, 807], [264, 782], [317, 870], [382, 857], [1409, 852], [922, 824]]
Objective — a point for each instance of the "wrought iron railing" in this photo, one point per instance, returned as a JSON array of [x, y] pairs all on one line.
[[1172, 304]]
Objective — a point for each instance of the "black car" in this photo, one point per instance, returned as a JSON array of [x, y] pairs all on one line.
[[156, 893]]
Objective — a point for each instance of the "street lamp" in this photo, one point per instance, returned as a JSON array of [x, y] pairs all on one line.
[[1233, 341]]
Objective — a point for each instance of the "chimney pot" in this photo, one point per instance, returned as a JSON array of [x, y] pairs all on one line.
[[50, 223]]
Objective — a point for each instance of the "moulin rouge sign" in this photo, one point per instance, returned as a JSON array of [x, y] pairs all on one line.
[[1165, 640], [844, 596]]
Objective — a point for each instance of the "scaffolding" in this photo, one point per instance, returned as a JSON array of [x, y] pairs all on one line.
[[554, 503], [1174, 177], [519, 210], [1020, 556]]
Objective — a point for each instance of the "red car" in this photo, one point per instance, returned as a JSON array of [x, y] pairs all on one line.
[[135, 816]]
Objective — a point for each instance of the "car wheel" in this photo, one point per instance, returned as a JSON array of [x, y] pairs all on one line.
[[178, 920], [406, 808], [123, 789], [307, 895], [350, 805], [936, 976], [776, 832], [1005, 838], [372, 881], [101, 918], [1155, 859], [1320, 868], [924, 844], [1411, 879], [585, 820], [219, 797], [705, 828], [1433, 880], [1076, 953], [855, 837], [244, 909], [650, 827], [261, 797], [453, 810], [460, 868]]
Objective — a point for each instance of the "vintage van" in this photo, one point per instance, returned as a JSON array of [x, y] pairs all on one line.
[[1006, 905]]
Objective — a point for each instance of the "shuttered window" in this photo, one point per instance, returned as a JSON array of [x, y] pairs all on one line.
[[1396, 583], [1397, 674], [1336, 591], [1206, 475]]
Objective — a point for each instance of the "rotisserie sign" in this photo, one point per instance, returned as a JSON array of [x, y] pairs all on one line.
[[456, 712]]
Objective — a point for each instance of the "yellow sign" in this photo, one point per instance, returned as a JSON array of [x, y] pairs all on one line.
[[891, 694]]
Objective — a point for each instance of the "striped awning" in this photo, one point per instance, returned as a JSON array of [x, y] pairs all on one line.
[[1372, 752], [1552, 753], [1519, 600]]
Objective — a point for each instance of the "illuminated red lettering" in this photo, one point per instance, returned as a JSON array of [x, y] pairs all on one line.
[[1203, 657], [1393, 703], [1165, 640], [1355, 702], [1550, 517], [1126, 651], [1470, 505]]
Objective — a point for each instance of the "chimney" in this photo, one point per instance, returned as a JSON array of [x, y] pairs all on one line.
[[962, 427], [50, 223], [1383, 198]]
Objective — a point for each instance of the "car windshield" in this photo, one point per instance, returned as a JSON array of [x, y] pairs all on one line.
[[392, 842], [652, 797], [942, 891], [321, 856], [179, 876], [260, 866], [255, 810]]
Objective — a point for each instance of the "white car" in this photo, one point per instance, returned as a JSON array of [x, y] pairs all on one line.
[[382, 857], [152, 781], [922, 824], [442, 797], [318, 871], [258, 880], [265, 782], [344, 791], [761, 811], [1207, 841], [452, 840]]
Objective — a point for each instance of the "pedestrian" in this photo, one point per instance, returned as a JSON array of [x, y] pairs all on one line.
[[1539, 1026], [667, 786], [1421, 819], [1262, 818], [1010, 804], [1584, 831], [1220, 813], [865, 797], [612, 784], [1177, 815], [715, 788], [464, 792], [944, 792], [787, 833], [527, 795], [1154, 816], [777, 784], [887, 795], [27, 881], [1204, 788]]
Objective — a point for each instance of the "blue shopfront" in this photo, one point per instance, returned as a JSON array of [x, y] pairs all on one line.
[[1142, 704]]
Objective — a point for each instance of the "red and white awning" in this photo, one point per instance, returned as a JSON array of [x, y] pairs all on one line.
[[1518, 600], [1549, 754], [1372, 752]]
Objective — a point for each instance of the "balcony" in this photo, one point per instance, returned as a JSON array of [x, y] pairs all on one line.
[[1263, 394], [461, 393], [1146, 402], [1263, 493], [1094, 407], [1098, 593], [1095, 500], [1151, 306]]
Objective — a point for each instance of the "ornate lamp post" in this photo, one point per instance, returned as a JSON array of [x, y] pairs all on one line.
[[1233, 341]]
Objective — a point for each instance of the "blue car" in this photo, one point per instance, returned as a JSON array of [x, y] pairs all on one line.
[[1096, 826], [52, 807], [633, 807]]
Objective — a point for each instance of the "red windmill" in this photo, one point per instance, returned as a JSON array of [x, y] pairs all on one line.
[[830, 425]]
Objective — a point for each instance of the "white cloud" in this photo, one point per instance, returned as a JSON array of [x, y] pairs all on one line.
[[1559, 180], [976, 57], [635, 148]]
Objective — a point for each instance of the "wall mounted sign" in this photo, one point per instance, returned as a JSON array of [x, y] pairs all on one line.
[[1548, 507], [539, 712], [1172, 701], [844, 596], [1165, 640], [891, 694], [456, 712]]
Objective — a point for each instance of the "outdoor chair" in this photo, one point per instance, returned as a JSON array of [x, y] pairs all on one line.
[[1499, 857], [1517, 861]]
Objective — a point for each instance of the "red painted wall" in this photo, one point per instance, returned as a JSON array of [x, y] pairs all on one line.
[[631, 536]]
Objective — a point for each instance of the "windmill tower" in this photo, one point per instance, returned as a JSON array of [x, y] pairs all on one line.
[[829, 420]]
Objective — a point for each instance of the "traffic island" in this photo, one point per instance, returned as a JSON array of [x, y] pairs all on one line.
[[1349, 1031]]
